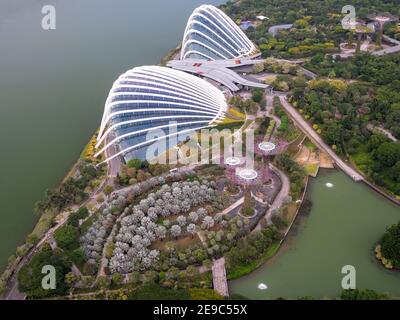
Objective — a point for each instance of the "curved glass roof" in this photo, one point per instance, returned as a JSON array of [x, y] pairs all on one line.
[[210, 34], [151, 98]]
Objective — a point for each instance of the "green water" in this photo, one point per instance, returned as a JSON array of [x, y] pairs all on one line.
[[53, 85], [343, 227]]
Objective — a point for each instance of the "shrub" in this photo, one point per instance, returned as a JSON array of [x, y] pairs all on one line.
[[108, 189], [156, 292], [67, 237]]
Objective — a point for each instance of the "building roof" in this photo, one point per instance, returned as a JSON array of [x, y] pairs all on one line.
[[211, 35], [151, 98]]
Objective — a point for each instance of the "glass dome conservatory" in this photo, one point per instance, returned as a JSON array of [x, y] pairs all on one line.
[[151, 98], [210, 34]]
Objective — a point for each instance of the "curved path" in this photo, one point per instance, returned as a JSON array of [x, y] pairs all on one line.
[[279, 199]]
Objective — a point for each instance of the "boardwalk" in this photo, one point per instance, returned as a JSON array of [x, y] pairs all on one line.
[[220, 281], [309, 131]]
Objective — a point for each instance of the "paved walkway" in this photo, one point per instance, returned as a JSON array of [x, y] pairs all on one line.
[[278, 201], [384, 131], [220, 281], [309, 131]]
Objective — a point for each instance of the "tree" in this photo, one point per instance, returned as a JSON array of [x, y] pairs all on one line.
[[390, 245], [108, 189], [32, 239], [30, 276], [181, 221], [257, 95], [176, 231], [71, 279], [116, 279], [388, 153], [135, 163], [208, 222], [77, 256], [103, 282], [67, 237], [161, 232], [356, 294], [258, 67], [193, 216], [191, 228]]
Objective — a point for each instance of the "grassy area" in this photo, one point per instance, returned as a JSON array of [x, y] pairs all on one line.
[[240, 271], [181, 243], [89, 150], [290, 213], [204, 294], [311, 169], [43, 225], [309, 144], [293, 148], [231, 126], [287, 130], [362, 160], [236, 113], [156, 292]]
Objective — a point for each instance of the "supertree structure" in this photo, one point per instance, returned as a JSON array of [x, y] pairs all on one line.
[[232, 163], [382, 19], [360, 28], [272, 147], [239, 173], [246, 176]]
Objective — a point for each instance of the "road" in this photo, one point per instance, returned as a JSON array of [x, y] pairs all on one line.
[[309, 131]]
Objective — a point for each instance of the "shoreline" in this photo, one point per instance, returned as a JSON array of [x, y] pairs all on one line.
[[274, 249], [171, 54]]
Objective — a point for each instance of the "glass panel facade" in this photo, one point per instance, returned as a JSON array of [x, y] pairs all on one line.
[[160, 98], [210, 34]]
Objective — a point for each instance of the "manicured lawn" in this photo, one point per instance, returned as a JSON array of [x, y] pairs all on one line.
[[311, 169]]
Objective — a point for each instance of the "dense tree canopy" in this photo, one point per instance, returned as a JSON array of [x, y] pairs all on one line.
[[390, 245], [30, 276]]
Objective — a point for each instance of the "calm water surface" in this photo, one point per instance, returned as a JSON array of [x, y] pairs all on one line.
[[343, 227], [53, 85]]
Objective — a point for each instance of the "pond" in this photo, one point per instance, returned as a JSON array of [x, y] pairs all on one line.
[[346, 221]]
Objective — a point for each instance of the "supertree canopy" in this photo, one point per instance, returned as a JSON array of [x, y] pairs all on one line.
[[245, 176], [272, 147], [360, 28], [382, 19], [233, 162]]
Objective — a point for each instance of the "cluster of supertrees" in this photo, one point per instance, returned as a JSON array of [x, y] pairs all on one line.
[[239, 172], [381, 19], [361, 28]]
